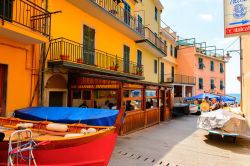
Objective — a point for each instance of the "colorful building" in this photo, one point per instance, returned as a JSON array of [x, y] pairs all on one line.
[[24, 26], [200, 68], [107, 57]]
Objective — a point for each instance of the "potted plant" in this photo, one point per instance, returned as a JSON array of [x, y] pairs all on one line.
[[80, 60], [64, 57], [115, 66], [139, 70]]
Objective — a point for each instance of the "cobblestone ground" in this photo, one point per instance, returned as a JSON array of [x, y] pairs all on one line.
[[179, 143]]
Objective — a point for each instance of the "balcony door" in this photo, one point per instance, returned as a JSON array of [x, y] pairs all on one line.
[[88, 45], [7, 7], [162, 72], [126, 58], [3, 89]]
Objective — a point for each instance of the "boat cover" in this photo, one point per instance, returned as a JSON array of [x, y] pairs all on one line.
[[225, 120], [69, 115]]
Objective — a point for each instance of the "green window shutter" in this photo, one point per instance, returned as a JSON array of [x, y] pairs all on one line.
[[212, 65], [126, 58], [212, 84], [156, 14], [201, 65], [175, 52], [171, 50], [200, 83], [221, 85], [155, 66], [221, 68], [139, 58], [8, 8]]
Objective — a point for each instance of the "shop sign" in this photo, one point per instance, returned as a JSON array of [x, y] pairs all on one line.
[[95, 86], [236, 17]]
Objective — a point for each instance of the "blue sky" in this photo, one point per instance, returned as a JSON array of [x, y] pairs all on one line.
[[204, 20]]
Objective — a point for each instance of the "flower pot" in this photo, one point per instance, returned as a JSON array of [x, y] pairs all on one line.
[[80, 61], [64, 57]]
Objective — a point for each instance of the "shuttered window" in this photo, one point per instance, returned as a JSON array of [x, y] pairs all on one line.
[[126, 58], [7, 8], [221, 68], [201, 65], [212, 65], [139, 58], [200, 83], [156, 14], [221, 85], [212, 84], [155, 66]]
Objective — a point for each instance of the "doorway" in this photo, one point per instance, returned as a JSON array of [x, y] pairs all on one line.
[[3, 89], [55, 99]]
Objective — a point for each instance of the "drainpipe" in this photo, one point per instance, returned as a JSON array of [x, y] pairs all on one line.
[[42, 63]]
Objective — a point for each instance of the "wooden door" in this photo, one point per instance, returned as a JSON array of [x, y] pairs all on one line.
[[56, 99], [3, 89]]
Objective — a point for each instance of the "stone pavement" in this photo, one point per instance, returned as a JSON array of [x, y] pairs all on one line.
[[179, 142]]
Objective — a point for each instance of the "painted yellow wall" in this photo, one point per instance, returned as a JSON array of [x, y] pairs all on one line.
[[19, 85], [107, 38], [246, 76], [146, 9]]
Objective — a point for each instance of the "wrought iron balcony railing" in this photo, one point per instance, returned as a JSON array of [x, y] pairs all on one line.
[[26, 14], [121, 14], [155, 40], [178, 79], [62, 49]]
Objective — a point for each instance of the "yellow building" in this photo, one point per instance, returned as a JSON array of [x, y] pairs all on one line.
[[24, 26]]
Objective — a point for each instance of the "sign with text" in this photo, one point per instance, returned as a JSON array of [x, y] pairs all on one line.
[[236, 17]]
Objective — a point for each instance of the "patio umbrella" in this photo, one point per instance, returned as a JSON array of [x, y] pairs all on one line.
[[203, 96]]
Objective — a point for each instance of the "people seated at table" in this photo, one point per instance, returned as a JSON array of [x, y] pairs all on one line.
[[214, 105], [129, 106]]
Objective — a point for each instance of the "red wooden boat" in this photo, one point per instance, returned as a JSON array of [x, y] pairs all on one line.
[[91, 149]]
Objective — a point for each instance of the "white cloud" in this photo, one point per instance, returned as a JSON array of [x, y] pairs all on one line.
[[206, 17]]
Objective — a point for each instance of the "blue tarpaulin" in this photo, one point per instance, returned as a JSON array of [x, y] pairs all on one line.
[[69, 115]]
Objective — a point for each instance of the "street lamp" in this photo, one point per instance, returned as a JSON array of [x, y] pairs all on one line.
[[227, 58]]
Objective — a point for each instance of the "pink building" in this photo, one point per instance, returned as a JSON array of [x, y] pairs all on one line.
[[199, 69]]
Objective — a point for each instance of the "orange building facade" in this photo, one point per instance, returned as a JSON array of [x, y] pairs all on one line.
[[24, 26], [199, 69]]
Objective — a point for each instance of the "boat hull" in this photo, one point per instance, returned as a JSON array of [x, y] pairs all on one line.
[[94, 153]]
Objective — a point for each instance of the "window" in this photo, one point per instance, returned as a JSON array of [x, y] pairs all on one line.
[[212, 84], [221, 68], [139, 24], [8, 9], [127, 10], [139, 57], [221, 85], [171, 50], [175, 52], [200, 83], [212, 65], [156, 14], [155, 66], [126, 58], [201, 65]]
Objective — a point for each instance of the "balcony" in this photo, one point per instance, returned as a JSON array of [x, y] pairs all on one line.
[[24, 21], [69, 54], [153, 43], [178, 79], [112, 14]]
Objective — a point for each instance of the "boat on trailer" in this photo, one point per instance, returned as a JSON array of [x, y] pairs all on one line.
[[65, 144]]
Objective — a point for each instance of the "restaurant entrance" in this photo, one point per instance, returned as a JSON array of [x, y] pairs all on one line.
[[143, 101]]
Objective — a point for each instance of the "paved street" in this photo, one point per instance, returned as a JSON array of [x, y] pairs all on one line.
[[178, 142]]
